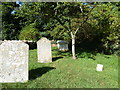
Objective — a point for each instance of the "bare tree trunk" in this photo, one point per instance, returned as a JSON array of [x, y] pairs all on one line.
[[73, 45]]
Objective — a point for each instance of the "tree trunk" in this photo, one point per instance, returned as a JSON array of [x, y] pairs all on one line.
[[73, 45]]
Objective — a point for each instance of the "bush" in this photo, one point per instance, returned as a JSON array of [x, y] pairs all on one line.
[[29, 33]]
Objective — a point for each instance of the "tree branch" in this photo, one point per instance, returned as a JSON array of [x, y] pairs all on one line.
[[76, 31], [62, 23], [81, 9], [88, 15]]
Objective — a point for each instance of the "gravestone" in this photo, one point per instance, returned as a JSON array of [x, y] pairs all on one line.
[[62, 45], [44, 50], [99, 67], [13, 61]]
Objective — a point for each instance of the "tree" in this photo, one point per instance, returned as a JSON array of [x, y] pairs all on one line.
[[67, 21], [95, 22], [29, 33], [10, 25], [31, 12], [105, 17]]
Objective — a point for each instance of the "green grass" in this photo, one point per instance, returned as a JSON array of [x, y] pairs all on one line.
[[64, 72]]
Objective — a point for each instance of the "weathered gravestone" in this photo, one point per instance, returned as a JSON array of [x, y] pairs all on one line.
[[62, 45], [44, 50], [13, 61]]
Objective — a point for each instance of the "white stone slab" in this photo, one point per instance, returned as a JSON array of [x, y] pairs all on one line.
[[13, 61], [99, 67]]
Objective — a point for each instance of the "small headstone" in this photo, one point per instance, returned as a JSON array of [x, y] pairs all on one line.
[[44, 50], [99, 67], [13, 61], [62, 45]]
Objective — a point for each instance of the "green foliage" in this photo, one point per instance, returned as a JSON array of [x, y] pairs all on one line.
[[63, 21], [59, 33], [10, 25], [97, 22], [101, 31], [29, 33], [32, 13], [106, 16]]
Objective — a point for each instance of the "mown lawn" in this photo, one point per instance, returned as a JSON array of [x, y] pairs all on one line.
[[64, 72]]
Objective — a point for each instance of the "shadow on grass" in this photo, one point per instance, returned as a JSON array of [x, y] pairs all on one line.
[[64, 53], [107, 57], [56, 58], [82, 53], [35, 73]]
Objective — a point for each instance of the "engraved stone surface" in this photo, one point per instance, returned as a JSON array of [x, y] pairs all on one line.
[[62, 45], [44, 50], [13, 61]]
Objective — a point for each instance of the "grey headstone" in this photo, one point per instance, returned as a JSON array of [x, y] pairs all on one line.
[[44, 50], [13, 61], [62, 45]]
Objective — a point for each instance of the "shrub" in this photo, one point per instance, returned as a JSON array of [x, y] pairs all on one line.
[[29, 33]]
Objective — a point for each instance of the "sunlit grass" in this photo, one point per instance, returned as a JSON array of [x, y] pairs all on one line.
[[64, 72]]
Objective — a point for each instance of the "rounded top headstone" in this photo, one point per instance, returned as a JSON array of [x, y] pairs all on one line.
[[44, 39]]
